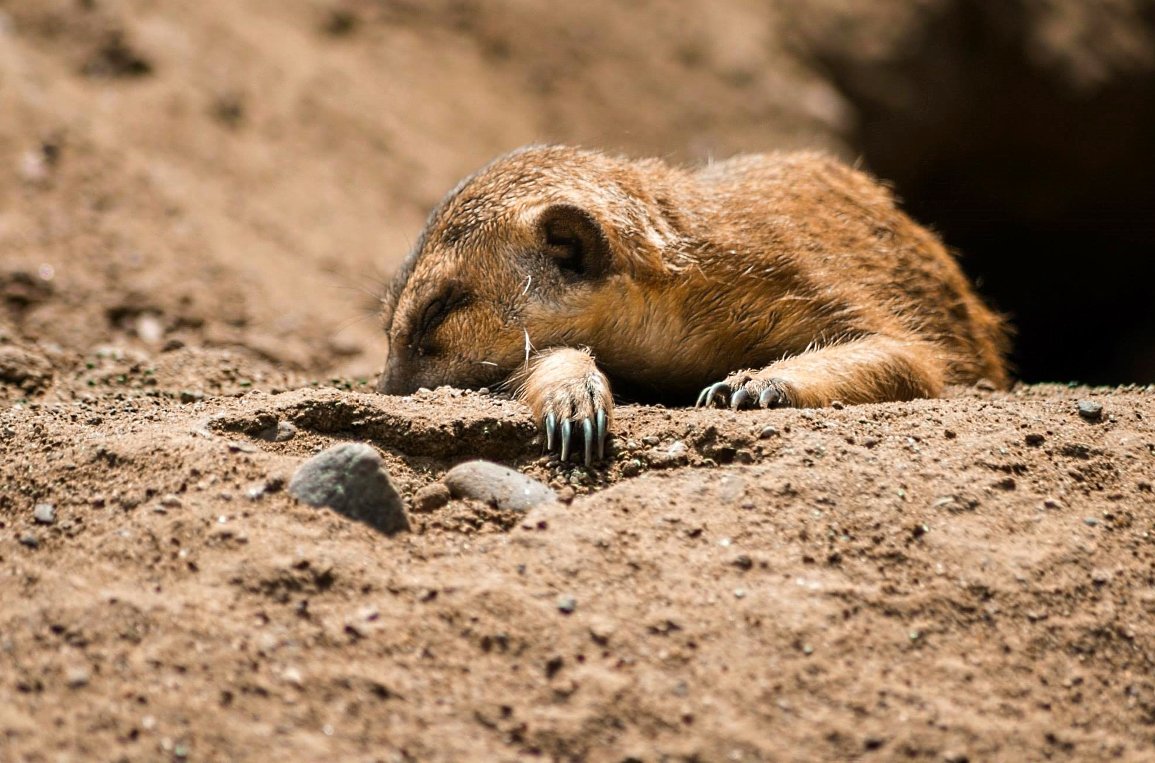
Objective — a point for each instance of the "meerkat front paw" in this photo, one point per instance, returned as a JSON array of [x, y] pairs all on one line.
[[745, 391], [570, 400]]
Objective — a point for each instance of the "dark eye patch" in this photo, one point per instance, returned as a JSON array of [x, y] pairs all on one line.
[[451, 298]]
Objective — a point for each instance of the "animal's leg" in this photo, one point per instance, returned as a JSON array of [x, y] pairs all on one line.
[[569, 398], [872, 369]]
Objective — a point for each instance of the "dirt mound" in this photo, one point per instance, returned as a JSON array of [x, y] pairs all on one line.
[[197, 201]]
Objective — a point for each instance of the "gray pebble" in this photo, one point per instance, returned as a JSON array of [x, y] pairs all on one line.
[[44, 513], [496, 485], [191, 396], [431, 497], [1090, 410], [566, 604], [768, 432], [30, 540], [351, 480], [284, 430]]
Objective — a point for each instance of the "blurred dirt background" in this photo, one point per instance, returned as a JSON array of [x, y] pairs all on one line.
[[199, 203]]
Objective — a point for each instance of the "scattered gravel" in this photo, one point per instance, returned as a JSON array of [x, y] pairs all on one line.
[[496, 485], [351, 480], [28, 370], [44, 513]]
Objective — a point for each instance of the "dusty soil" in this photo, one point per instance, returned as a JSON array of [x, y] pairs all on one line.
[[196, 200]]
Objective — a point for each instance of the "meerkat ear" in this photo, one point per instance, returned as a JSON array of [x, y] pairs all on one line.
[[575, 241]]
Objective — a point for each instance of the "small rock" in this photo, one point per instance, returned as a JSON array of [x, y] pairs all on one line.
[[77, 677], [44, 513], [293, 676], [566, 604], [149, 328], [351, 480], [631, 468], [242, 447], [1101, 577], [191, 396], [30, 540], [986, 385], [768, 432], [601, 630], [1090, 410], [1090, 521], [431, 497], [837, 405], [171, 501], [1052, 503], [1034, 439], [675, 455], [282, 431], [566, 494], [496, 485]]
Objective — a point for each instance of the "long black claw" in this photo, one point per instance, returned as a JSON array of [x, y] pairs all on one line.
[[770, 397], [588, 437], [721, 390], [740, 399], [566, 431], [601, 434], [550, 425]]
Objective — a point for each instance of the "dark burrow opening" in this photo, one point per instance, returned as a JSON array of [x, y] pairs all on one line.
[[1028, 142]]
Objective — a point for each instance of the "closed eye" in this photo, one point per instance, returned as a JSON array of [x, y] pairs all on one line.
[[439, 308]]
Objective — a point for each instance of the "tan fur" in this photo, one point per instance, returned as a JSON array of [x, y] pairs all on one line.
[[792, 265]]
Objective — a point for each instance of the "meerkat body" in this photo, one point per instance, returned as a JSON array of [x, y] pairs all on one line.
[[771, 280]]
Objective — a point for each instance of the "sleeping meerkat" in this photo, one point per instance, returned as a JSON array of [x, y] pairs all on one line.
[[762, 280]]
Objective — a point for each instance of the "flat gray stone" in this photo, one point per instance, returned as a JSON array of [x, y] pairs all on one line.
[[351, 480], [496, 485]]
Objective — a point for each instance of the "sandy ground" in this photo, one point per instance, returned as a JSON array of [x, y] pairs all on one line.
[[197, 202]]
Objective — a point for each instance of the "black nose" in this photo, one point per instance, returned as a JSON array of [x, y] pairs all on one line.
[[395, 380]]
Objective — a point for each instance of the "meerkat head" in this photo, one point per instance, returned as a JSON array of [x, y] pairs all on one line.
[[509, 253]]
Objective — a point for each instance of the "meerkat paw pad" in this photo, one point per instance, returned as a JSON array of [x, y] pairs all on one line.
[[742, 391]]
